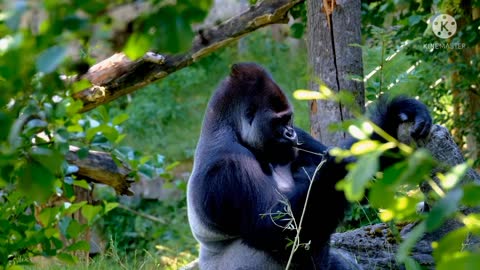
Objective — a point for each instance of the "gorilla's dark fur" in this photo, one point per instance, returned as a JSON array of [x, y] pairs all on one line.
[[247, 166]]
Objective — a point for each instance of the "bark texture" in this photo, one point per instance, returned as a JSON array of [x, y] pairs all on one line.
[[334, 27], [99, 167]]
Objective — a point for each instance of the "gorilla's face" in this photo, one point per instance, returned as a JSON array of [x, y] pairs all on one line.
[[269, 134]]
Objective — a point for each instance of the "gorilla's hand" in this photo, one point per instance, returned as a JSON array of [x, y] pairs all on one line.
[[389, 115]]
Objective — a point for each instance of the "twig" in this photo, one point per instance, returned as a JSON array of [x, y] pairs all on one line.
[[147, 216]]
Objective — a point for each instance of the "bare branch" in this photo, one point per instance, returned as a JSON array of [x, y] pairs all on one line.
[[101, 168], [118, 76]]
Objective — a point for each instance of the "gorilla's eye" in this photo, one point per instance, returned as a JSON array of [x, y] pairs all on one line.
[[286, 120]]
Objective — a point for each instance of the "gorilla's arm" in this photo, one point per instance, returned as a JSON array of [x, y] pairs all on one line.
[[242, 200]]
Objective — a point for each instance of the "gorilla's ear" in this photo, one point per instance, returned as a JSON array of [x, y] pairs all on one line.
[[247, 71]]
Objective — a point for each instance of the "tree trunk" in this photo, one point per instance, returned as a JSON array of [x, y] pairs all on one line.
[[466, 98], [333, 27]]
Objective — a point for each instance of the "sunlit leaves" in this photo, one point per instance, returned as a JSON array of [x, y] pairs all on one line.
[[323, 93], [471, 195], [460, 260], [451, 179], [90, 212], [358, 176], [449, 244], [362, 132], [138, 44], [443, 209], [450, 252], [120, 119]]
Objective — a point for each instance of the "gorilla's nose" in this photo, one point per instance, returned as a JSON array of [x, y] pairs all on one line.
[[290, 134]]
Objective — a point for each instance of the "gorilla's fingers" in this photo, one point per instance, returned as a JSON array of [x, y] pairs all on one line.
[[421, 127]]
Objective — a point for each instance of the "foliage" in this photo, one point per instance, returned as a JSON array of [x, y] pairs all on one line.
[[131, 233], [395, 191], [42, 43], [402, 55], [411, 59]]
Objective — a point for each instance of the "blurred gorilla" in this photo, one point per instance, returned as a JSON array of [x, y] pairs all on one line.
[[248, 164]]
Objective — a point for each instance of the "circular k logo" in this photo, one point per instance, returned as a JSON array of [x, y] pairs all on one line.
[[444, 25]]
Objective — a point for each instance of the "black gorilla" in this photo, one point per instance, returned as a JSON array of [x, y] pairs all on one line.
[[247, 166]]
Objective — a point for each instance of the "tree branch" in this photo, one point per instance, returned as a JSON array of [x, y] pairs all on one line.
[[99, 167], [118, 76]]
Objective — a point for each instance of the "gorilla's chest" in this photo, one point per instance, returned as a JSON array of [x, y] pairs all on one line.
[[282, 176]]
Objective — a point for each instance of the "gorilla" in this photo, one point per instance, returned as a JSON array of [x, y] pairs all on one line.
[[250, 177]]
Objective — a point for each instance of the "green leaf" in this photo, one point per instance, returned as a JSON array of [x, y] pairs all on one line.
[[443, 209], [67, 258], [34, 126], [83, 184], [358, 176], [147, 170], [172, 166], [15, 267], [71, 208], [82, 153], [110, 206], [80, 245], [138, 44], [381, 195], [104, 116], [80, 85], [74, 128], [50, 159], [49, 60], [419, 166], [120, 119], [460, 260], [449, 244], [409, 242], [48, 215], [90, 212], [75, 229], [120, 138], [364, 147], [14, 17], [297, 30], [72, 106], [36, 181], [472, 222], [471, 195], [109, 132], [412, 264]]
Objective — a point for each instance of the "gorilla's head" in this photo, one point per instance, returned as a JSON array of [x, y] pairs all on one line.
[[259, 113]]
